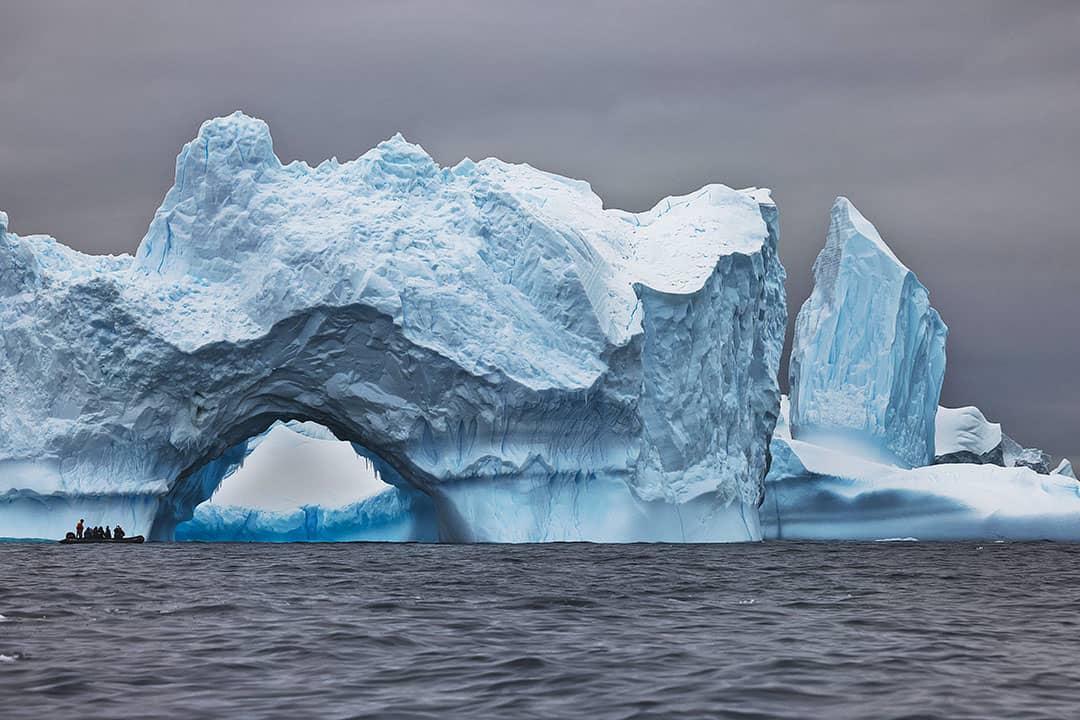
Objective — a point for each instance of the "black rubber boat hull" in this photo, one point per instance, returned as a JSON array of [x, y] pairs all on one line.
[[91, 541]]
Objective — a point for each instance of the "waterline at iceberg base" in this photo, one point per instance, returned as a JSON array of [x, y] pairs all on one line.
[[537, 366]]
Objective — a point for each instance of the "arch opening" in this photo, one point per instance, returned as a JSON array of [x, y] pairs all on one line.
[[295, 480]]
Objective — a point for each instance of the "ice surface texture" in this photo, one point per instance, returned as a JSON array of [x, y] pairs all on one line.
[[868, 357], [489, 333]]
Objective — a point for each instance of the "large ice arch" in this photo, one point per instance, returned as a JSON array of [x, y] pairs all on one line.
[[541, 367], [298, 483]]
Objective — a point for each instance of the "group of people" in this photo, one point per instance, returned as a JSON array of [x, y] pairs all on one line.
[[97, 533]]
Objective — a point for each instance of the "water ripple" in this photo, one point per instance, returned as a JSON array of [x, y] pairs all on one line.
[[779, 630]]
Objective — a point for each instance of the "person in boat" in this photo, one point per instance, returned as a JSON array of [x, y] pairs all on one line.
[[118, 533], [108, 533], [79, 529]]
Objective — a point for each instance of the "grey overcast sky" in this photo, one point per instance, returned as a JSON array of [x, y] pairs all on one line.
[[954, 126]]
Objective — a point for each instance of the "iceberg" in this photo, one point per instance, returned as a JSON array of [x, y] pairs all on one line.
[[488, 335], [862, 451], [868, 357]]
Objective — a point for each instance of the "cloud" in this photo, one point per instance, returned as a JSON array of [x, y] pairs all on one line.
[[951, 125]]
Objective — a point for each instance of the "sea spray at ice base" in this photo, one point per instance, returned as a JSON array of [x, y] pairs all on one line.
[[538, 367]]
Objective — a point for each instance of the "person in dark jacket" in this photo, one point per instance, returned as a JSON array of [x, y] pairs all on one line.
[[118, 533]]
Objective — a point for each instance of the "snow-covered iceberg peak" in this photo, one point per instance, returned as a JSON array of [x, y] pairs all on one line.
[[541, 367], [868, 357]]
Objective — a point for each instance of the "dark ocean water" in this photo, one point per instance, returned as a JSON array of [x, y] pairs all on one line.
[[791, 630]]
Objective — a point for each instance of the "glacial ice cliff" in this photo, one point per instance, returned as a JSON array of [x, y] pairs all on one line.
[[539, 367], [868, 358]]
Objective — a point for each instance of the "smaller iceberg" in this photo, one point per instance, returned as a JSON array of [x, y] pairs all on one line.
[[868, 357]]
